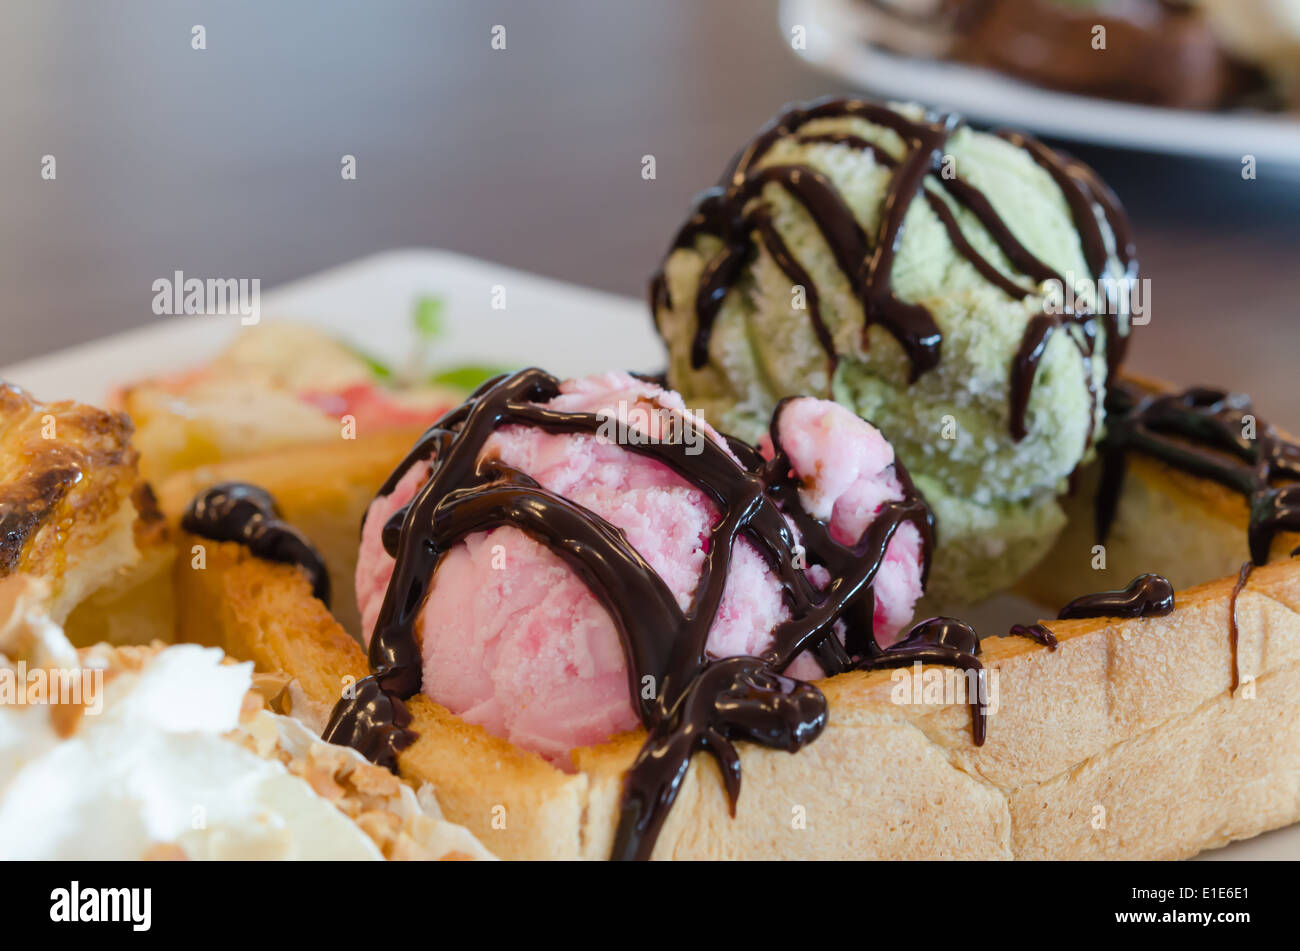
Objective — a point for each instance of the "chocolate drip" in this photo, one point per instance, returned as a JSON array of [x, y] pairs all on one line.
[[1204, 432], [1039, 332], [1214, 435], [1035, 632], [792, 269], [868, 265], [974, 201], [849, 140], [1233, 633], [1091, 203], [238, 512], [700, 702], [939, 640], [967, 250], [1033, 347], [732, 698], [721, 211], [1148, 595], [376, 725], [833, 217]]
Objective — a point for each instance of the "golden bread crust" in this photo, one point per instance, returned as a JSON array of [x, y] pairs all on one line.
[[1123, 743], [262, 611], [322, 489]]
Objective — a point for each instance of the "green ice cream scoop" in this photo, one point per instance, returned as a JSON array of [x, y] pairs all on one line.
[[964, 291]]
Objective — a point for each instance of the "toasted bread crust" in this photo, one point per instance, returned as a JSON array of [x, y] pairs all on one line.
[[265, 612], [322, 489], [1123, 743]]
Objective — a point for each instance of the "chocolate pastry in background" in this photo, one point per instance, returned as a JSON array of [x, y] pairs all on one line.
[[1157, 52]]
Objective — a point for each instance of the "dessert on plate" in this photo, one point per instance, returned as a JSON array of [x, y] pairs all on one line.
[[1200, 54], [1062, 718], [277, 386], [75, 512], [720, 615]]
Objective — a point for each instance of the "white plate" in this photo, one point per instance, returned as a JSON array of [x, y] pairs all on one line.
[[563, 328], [838, 42]]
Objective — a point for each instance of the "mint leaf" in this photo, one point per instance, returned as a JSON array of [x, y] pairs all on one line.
[[378, 369], [428, 318], [467, 376]]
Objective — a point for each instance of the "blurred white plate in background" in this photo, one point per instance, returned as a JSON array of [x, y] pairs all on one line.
[[838, 42], [564, 328], [567, 329]]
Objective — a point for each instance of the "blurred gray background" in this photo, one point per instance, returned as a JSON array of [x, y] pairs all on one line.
[[226, 161]]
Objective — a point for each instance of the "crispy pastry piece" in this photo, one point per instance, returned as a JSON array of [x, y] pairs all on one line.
[[1122, 744], [136, 605], [73, 512], [276, 387], [218, 419], [322, 490]]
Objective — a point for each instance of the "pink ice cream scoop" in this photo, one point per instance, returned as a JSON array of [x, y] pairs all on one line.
[[514, 640]]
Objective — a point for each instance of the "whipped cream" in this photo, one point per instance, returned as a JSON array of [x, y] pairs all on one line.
[[180, 762]]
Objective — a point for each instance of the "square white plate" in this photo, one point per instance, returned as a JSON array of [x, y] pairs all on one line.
[[566, 329]]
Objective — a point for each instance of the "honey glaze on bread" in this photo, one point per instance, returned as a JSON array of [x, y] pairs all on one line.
[[47, 454], [67, 481]]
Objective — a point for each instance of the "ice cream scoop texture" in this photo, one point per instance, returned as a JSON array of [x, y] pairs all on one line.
[[513, 639], [908, 266]]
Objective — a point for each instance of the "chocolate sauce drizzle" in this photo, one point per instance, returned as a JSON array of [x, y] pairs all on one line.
[[1214, 435], [1206, 433], [1035, 632], [734, 213], [701, 702], [239, 512], [1233, 633], [1148, 595]]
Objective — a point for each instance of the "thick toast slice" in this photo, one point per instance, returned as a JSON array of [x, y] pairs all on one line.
[[1123, 743], [1126, 742]]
